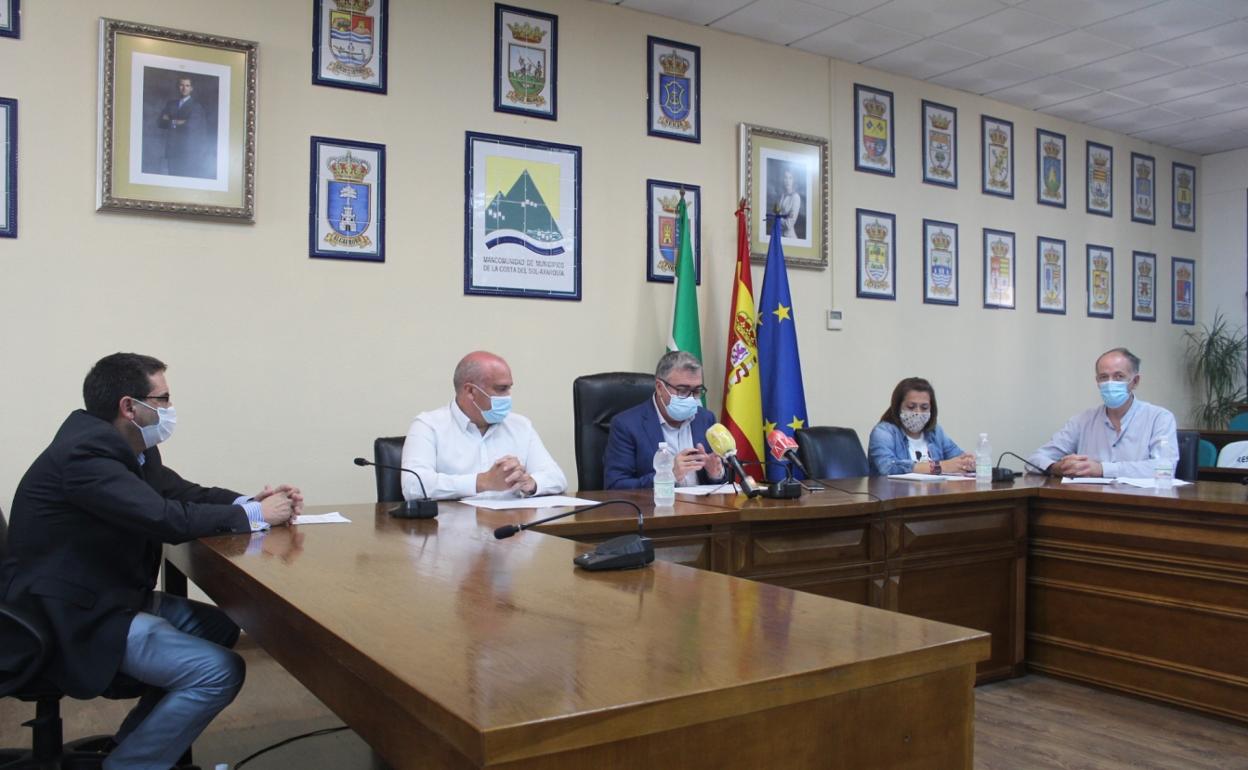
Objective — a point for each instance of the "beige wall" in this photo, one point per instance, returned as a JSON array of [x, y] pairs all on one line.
[[284, 367], [1224, 236]]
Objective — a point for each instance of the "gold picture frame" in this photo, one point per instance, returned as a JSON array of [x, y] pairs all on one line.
[[177, 122], [777, 167]]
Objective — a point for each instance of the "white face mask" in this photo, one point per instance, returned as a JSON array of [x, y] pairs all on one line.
[[914, 422], [166, 419]]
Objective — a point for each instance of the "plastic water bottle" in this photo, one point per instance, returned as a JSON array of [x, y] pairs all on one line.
[[983, 460], [664, 476], [1163, 471]]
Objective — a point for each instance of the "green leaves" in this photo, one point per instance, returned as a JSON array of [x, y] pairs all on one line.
[[1216, 358]]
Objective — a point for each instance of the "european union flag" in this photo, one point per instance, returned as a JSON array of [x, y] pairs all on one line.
[[784, 399]]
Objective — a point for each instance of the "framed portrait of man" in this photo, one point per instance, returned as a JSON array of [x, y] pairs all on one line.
[[177, 122], [786, 174]]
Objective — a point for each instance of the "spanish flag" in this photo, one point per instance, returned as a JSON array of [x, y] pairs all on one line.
[[743, 404]]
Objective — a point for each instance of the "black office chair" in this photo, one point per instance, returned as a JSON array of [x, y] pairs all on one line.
[[389, 451], [20, 667], [596, 398], [832, 453], [1189, 455]]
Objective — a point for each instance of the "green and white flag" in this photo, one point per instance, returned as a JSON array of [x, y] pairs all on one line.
[[686, 334]]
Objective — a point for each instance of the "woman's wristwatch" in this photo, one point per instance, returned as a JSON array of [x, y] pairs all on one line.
[[935, 467]]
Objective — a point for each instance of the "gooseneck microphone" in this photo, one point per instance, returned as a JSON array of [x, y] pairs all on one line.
[[723, 444], [410, 509], [783, 447], [1026, 462], [624, 552]]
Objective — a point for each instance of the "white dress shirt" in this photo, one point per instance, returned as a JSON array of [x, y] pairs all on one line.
[[678, 439], [1124, 453], [447, 451]]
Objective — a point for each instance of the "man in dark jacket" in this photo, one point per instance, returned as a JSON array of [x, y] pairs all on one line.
[[89, 519]]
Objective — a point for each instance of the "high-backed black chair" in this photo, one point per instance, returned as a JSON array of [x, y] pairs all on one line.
[[389, 451], [596, 398], [832, 453], [20, 667], [1189, 455]]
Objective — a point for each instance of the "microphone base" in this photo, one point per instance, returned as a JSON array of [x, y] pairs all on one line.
[[788, 489], [415, 509], [1003, 474], [625, 552]]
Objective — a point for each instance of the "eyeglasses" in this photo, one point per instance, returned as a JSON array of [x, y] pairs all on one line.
[[684, 391], [158, 399]]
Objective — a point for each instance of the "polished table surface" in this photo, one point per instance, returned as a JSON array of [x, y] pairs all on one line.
[[440, 644]]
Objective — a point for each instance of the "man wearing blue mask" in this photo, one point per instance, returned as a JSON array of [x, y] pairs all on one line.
[[89, 519], [1117, 438], [476, 443], [675, 415]]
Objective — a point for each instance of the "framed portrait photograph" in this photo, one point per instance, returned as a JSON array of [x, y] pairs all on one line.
[[663, 231], [673, 89], [522, 217], [8, 168], [877, 254], [1143, 188], [996, 143], [1100, 281], [526, 62], [1050, 275], [874, 151], [999, 269], [347, 206], [1143, 286], [1183, 196], [1183, 291], [940, 262], [1050, 168], [10, 18], [940, 144], [177, 122], [786, 173], [1100, 176], [350, 41]]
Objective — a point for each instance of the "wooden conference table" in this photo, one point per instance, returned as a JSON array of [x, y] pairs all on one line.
[[443, 647]]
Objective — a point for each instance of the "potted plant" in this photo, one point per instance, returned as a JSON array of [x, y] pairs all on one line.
[[1216, 361]]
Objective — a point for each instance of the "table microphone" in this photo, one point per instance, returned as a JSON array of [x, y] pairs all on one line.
[[624, 552], [410, 509], [723, 444], [1026, 462], [783, 447]]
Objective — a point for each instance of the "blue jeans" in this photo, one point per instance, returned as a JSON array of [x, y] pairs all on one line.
[[179, 648]]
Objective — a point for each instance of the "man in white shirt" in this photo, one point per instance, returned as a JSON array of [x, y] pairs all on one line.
[[475, 444]]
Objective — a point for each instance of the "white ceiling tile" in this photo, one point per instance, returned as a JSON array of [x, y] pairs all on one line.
[[1234, 69], [1092, 107], [694, 11], [1231, 140], [1158, 22], [1219, 42], [1166, 88], [1211, 102], [924, 59], [1121, 70], [928, 17], [1238, 8], [1235, 120], [988, 75], [856, 40], [852, 7], [1002, 31], [1041, 92], [1080, 13], [1168, 135], [1063, 52], [779, 21], [1135, 121]]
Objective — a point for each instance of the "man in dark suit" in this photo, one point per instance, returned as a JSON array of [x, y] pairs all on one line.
[[84, 544], [186, 127], [675, 415]]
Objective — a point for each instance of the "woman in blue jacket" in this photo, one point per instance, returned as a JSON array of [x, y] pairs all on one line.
[[908, 440]]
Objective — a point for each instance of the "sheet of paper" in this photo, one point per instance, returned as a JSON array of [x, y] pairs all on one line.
[[333, 517], [707, 489], [1150, 483], [510, 503], [1086, 480], [929, 477]]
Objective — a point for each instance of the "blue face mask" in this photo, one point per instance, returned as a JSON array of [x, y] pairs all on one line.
[[1114, 393], [500, 407], [681, 408]]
